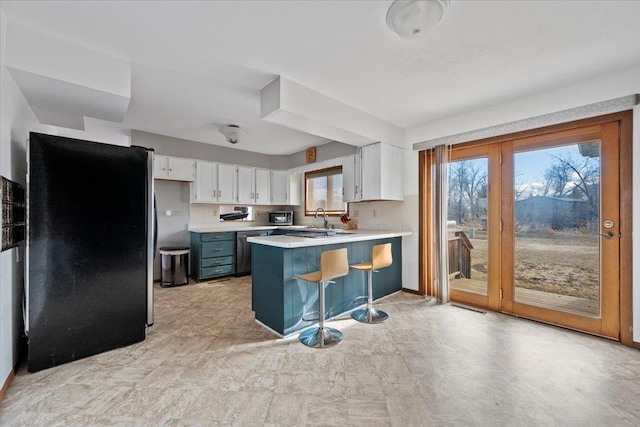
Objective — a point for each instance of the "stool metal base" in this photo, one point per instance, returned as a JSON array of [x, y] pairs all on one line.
[[321, 337], [369, 315]]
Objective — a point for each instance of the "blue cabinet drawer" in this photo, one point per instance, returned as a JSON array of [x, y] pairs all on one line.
[[222, 270], [214, 262], [217, 249], [214, 237]]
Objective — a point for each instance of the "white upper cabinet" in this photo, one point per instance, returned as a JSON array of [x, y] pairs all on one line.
[[173, 168], [286, 187], [374, 173], [279, 187], [246, 185], [226, 183], [262, 186], [296, 185], [160, 166], [214, 183], [254, 185], [351, 177], [222, 183], [382, 172], [206, 183]]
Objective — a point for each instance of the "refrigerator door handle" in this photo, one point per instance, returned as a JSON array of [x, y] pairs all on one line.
[[25, 300], [150, 236]]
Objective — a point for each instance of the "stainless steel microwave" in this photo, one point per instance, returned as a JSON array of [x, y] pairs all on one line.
[[281, 218]]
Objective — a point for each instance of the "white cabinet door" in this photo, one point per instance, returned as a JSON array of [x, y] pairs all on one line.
[[296, 193], [181, 169], [160, 166], [173, 168], [246, 184], [206, 182], [391, 172], [382, 172], [262, 186], [371, 172], [351, 178], [279, 187], [226, 183]]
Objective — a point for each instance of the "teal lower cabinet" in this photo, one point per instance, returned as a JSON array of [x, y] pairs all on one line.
[[212, 254], [280, 301]]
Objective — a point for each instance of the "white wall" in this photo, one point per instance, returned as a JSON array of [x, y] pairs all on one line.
[[172, 230], [16, 120], [615, 84]]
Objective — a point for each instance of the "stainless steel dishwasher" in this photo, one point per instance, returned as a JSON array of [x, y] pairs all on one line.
[[243, 250]]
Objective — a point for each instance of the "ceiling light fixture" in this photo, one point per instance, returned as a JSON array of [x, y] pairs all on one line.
[[233, 133], [411, 19]]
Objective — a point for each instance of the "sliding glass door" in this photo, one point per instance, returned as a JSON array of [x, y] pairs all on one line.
[[561, 241], [474, 259], [534, 227]]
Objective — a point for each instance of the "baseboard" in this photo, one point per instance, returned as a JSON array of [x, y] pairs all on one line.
[[7, 383], [411, 291], [636, 345]]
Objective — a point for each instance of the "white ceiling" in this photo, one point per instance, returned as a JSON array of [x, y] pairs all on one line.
[[199, 65]]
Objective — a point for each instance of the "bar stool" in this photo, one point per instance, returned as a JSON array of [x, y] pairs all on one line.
[[380, 258], [333, 264]]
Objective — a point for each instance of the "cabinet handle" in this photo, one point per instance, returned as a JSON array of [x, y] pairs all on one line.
[[219, 193], [218, 262], [218, 271], [218, 249], [257, 196]]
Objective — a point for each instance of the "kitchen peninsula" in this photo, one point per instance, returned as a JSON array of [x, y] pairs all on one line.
[[280, 301]]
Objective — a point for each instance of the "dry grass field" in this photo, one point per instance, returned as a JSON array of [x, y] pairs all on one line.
[[564, 263]]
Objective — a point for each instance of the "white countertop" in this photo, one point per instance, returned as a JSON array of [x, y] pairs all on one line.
[[244, 228], [230, 229], [301, 242]]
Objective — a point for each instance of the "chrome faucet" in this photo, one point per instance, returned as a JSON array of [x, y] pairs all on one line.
[[324, 217]]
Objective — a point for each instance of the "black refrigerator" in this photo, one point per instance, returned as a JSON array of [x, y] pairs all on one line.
[[90, 247]]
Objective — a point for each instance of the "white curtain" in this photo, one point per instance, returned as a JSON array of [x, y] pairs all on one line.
[[440, 195]]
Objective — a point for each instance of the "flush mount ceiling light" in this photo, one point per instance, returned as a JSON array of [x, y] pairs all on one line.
[[233, 133], [411, 19]]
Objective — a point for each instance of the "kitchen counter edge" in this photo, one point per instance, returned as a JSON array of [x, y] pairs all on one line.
[[230, 229], [301, 242]]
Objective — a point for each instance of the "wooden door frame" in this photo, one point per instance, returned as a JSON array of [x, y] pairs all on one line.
[[490, 152], [625, 120], [608, 323]]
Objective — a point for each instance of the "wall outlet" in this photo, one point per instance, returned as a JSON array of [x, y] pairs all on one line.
[[215, 213], [356, 213]]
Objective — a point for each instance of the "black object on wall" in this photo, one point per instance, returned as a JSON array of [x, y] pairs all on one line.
[[90, 221], [13, 213]]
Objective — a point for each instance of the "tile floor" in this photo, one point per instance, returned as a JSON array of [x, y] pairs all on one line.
[[206, 362]]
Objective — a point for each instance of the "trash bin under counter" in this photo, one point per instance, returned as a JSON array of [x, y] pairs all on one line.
[[175, 266]]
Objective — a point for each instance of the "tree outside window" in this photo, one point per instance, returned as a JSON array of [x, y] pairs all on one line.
[[323, 189]]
